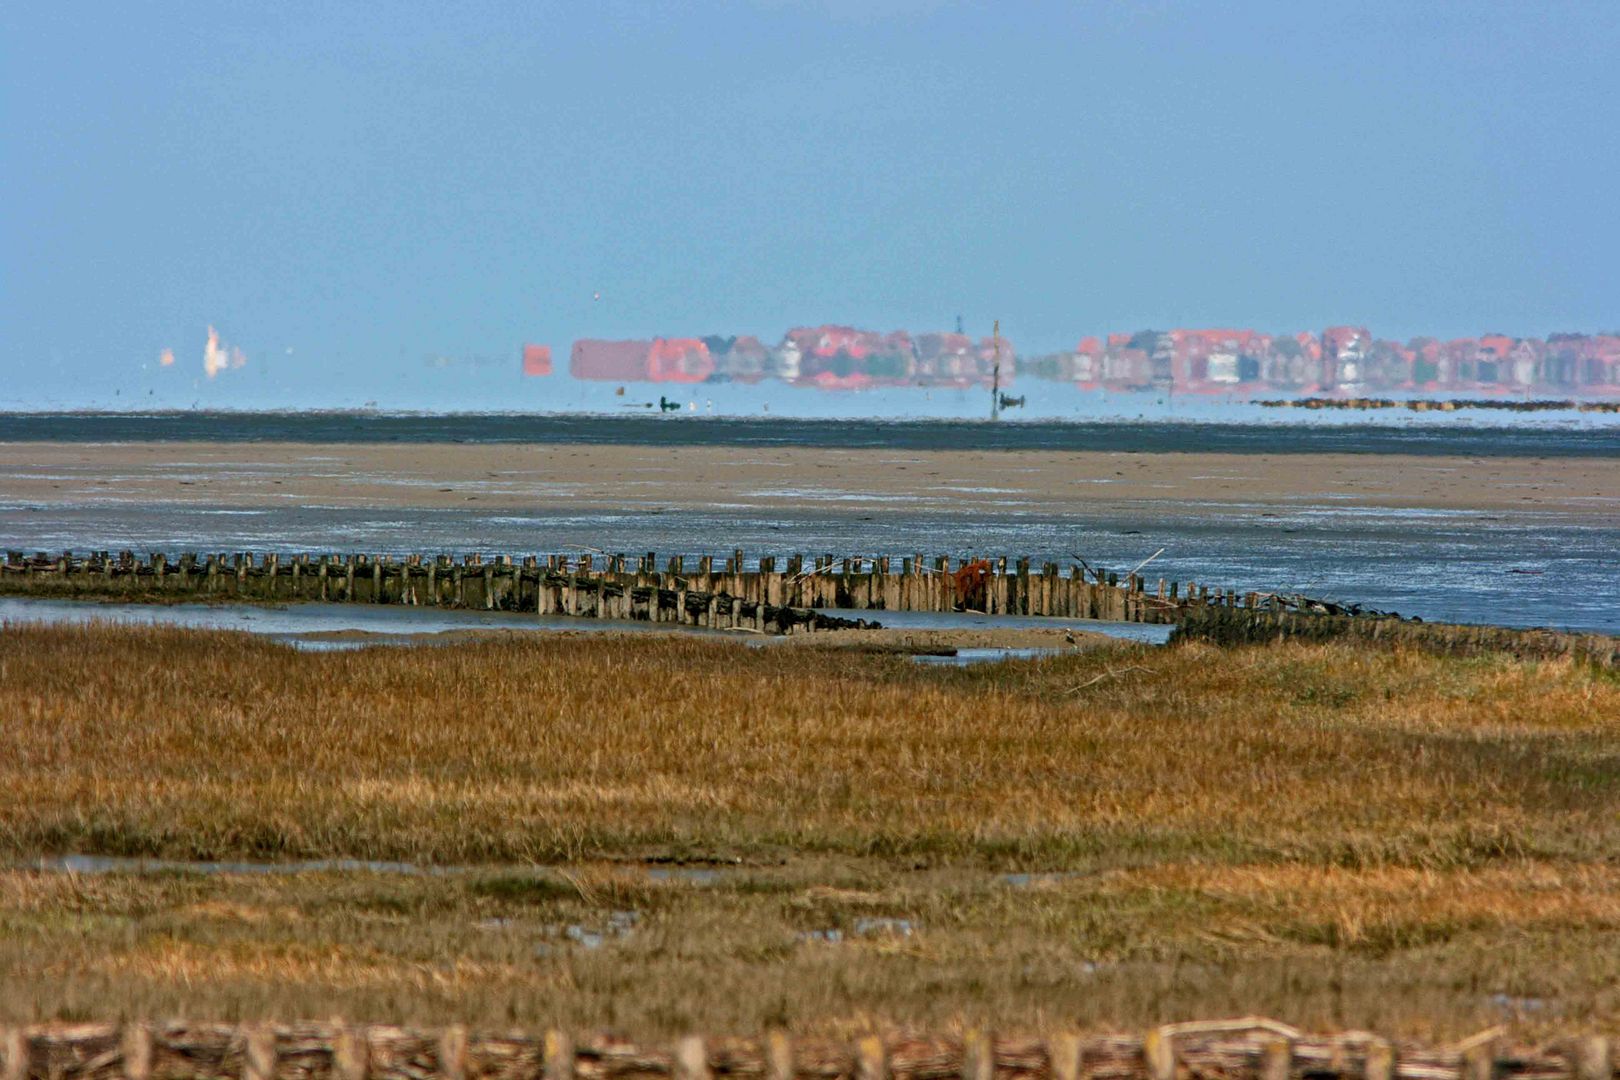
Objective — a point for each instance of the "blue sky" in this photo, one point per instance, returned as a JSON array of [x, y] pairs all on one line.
[[369, 184]]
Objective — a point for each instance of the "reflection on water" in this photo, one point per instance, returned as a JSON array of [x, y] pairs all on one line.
[[324, 627], [1144, 423], [694, 875], [118, 864], [967, 620], [294, 624], [964, 657]]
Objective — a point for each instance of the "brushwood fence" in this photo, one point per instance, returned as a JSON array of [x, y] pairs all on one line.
[[765, 594], [1251, 1049]]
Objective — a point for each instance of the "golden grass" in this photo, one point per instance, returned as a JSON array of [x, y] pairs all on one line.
[[817, 948], [1337, 836], [201, 744]]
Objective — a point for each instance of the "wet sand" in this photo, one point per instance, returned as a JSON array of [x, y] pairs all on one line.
[[587, 477]]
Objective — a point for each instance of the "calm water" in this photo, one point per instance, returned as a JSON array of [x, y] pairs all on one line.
[[1197, 427], [306, 625]]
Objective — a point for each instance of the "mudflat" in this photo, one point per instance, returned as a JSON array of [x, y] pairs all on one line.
[[594, 477]]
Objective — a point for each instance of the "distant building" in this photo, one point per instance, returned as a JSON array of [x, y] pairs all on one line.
[[1341, 359], [537, 359]]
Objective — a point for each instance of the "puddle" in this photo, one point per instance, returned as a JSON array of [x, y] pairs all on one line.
[[620, 922], [90, 865], [304, 644], [1507, 1003], [865, 927], [315, 626], [965, 657], [296, 624], [694, 875], [619, 925], [127, 864], [1027, 880]]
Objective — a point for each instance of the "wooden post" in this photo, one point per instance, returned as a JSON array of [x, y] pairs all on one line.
[[453, 1053], [978, 1056], [136, 1040], [871, 1060], [14, 1044], [259, 1060], [1063, 1056], [691, 1060], [1592, 1059], [779, 1063], [1276, 1059], [557, 1057]]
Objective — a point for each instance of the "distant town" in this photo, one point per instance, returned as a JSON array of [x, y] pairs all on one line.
[[1339, 360]]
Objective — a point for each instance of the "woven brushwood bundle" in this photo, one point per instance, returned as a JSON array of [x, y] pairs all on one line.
[[1249, 1049]]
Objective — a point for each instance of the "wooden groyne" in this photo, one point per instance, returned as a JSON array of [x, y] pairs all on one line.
[[1236, 626], [605, 590], [1249, 1049], [766, 594]]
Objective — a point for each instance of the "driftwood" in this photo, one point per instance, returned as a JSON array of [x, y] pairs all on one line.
[[1217, 1050]]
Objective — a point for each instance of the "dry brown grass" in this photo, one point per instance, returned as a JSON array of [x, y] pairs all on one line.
[[808, 946], [213, 745], [1337, 836]]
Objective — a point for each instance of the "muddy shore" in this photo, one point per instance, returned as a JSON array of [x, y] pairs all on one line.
[[634, 478]]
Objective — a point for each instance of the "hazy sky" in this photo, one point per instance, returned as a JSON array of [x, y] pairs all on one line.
[[367, 183]]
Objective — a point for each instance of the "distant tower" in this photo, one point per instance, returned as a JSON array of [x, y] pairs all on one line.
[[959, 324]]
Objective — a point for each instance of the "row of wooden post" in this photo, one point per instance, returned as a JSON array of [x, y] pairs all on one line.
[[620, 586]]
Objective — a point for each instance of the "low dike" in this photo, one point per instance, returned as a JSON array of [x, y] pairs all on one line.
[[768, 594]]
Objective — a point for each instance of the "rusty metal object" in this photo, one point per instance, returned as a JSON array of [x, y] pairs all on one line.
[[969, 581]]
